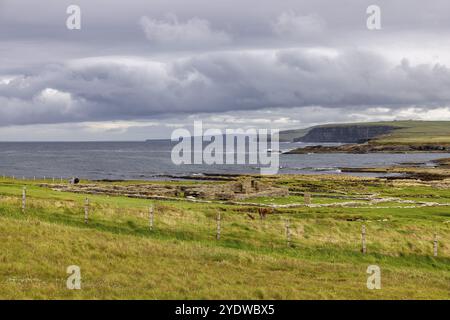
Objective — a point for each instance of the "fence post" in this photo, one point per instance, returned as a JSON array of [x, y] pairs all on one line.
[[288, 233], [435, 245], [218, 227], [307, 197], [363, 238], [24, 198], [86, 210], [151, 216]]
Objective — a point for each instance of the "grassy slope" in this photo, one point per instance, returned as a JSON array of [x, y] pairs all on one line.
[[120, 258], [419, 132], [409, 132]]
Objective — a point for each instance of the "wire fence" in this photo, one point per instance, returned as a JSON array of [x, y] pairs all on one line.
[[236, 228]]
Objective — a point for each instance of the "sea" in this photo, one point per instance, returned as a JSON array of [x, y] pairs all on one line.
[[151, 160]]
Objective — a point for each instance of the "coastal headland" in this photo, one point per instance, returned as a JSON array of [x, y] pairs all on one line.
[[374, 137]]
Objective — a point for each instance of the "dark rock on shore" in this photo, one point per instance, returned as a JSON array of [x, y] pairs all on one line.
[[371, 148]]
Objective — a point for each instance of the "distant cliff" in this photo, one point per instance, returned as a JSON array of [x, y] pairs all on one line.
[[345, 134]]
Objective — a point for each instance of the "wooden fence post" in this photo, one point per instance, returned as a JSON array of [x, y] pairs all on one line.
[[218, 227], [151, 213], [436, 243], [307, 197], [24, 198], [86, 210], [363, 238], [288, 233]]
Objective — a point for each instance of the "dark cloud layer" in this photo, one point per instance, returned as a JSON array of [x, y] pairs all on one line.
[[134, 61], [124, 88]]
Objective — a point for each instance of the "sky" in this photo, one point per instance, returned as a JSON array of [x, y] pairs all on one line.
[[139, 69]]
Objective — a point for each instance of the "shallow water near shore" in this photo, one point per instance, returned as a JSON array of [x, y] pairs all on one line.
[[152, 160]]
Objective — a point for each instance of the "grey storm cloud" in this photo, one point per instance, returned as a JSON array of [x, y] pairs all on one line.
[[172, 33], [123, 88], [139, 60]]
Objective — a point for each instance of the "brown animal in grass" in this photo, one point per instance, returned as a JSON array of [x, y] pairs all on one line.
[[264, 211]]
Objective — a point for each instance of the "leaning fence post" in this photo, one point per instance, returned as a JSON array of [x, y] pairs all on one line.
[[151, 213], [363, 239], [86, 210], [435, 245], [288, 233], [218, 227], [24, 198]]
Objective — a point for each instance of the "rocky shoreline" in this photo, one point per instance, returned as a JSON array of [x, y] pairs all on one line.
[[418, 171], [371, 148]]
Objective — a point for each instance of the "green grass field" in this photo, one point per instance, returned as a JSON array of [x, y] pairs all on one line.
[[121, 258], [418, 132]]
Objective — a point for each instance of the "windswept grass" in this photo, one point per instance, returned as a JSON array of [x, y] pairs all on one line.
[[120, 257]]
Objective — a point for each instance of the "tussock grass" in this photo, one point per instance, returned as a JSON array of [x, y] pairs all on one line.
[[120, 257]]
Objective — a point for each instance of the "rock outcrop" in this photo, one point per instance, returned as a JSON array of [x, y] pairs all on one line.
[[372, 148]]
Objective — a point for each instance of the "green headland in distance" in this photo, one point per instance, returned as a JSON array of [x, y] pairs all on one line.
[[366, 137]]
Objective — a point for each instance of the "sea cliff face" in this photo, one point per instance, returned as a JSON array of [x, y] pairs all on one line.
[[345, 134]]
